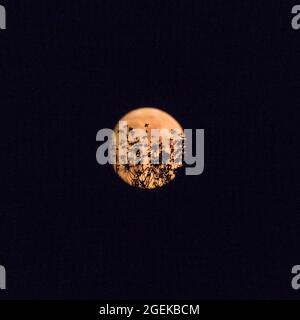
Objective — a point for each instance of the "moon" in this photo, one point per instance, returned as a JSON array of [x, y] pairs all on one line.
[[152, 175]]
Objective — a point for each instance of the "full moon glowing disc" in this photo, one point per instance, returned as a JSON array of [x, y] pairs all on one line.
[[148, 176]]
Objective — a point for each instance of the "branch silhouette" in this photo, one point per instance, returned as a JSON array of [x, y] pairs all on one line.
[[150, 175]]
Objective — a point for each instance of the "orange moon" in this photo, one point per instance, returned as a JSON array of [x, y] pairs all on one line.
[[152, 176]]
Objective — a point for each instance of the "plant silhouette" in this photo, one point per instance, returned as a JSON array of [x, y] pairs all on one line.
[[155, 166]]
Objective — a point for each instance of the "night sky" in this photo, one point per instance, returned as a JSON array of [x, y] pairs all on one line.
[[70, 228]]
